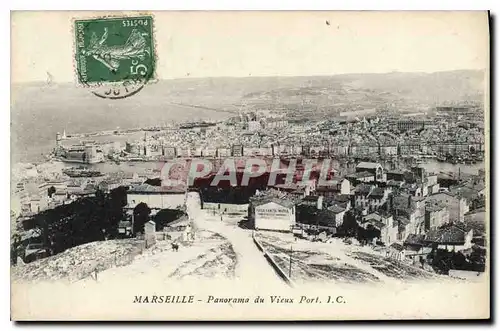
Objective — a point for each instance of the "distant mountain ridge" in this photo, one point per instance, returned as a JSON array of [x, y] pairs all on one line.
[[450, 85], [375, 80]]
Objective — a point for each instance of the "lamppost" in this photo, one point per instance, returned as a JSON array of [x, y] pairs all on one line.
[[290, 269]]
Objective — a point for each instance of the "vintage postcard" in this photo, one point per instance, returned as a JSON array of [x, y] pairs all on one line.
[[251, 166]]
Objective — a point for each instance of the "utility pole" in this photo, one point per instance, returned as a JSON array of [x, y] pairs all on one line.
[[290, 269], [133, 221]]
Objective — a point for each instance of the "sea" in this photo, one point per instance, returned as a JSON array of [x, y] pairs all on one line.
[[39, 113]]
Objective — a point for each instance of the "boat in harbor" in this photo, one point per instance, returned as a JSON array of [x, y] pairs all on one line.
[[81, 172]]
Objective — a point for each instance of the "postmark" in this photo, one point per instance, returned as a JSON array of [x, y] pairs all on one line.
[[115, 56]]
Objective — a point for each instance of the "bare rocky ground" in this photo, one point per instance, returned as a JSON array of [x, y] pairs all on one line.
[[79, 262], [336, 261], [219, 261], [209, 255]]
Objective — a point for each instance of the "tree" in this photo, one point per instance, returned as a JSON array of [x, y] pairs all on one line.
[[50, 191], [141, 216], [166, 216], [84, 220], [369, 234], [478, 202], [119, 196], [349, 225], [153, 181], [14, 248], [100, 196]]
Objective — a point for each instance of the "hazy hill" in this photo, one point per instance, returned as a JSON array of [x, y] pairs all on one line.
[[430, 88], [434, 87]]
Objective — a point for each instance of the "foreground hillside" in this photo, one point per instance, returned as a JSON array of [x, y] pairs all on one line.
[[338, 262], [210, 255]]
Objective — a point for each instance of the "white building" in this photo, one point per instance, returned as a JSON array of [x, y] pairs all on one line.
[[156, 197], [375, 168], [457, 206], [385, 224], [452, 237], [254, 126], [335, 186], [273, 214]]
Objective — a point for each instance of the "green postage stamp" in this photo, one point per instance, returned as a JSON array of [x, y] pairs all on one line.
[[114, 50]]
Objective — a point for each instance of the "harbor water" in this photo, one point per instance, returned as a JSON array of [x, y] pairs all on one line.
[[431, 166]]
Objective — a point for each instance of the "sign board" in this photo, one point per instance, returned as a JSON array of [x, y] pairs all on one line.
[[273, 211]]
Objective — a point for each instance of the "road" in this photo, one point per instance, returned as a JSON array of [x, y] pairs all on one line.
[[252, 268]]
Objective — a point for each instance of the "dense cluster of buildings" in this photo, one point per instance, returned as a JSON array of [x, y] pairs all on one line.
[[376, 136], [398, 207], [32, 195], [448, 134]]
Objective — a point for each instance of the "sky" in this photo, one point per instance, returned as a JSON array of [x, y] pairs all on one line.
[[213, 44]]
